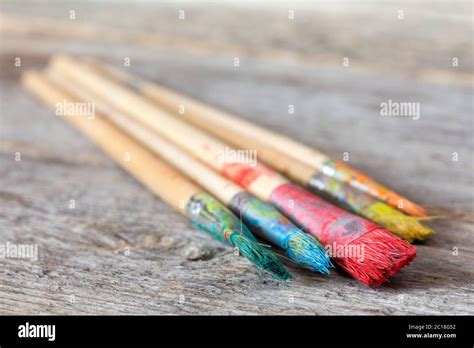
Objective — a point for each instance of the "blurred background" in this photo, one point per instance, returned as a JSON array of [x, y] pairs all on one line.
[[334, 61]]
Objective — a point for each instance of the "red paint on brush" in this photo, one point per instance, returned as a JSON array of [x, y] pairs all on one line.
[[243, 174], [370, 253]]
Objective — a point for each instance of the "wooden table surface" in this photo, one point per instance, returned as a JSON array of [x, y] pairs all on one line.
[[121, 250]]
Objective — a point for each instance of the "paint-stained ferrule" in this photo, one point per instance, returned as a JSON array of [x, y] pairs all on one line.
[[209, 214], [263, 219], [268, 223], [336, 191], [342, 172], [348, 197]]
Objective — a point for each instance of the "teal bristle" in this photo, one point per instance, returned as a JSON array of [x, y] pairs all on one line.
[[259, 256]]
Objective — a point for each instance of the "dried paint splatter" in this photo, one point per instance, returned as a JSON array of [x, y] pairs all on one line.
[[244, 174]]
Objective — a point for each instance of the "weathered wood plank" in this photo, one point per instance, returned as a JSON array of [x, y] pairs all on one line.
[[84, 266]]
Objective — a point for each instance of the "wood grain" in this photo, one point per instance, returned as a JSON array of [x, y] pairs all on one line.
[[123, 251]]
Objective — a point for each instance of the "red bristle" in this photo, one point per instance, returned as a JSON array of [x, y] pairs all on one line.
[[384, 255], [370, 253]]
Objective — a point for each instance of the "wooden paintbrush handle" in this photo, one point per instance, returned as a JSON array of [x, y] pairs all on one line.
[[218, 122], [160, 178], [225, 126], [259, 180], [206, 212], [214, 121], [214, 183], [294, 159], [141, 110]]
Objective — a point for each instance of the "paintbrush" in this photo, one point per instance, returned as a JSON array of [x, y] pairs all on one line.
[[365, 250], [242, 133], [338, 192], [205, 212], [262, 218]]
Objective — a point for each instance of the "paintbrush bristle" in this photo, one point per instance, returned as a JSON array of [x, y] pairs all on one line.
[[308, 252], [259, 256], [404, 226], [268, 223], [383, 256], [363, 204], [212, 216], [365, 250]]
